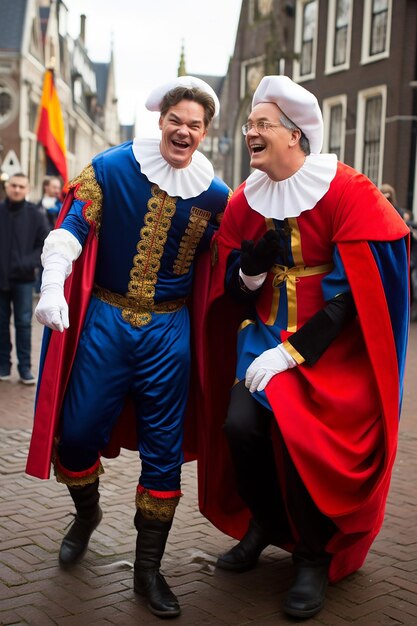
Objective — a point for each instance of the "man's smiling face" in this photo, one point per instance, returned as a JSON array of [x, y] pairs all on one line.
[[182, 129], [268, 147]]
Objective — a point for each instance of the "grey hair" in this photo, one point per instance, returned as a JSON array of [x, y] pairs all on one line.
[[304, 142]]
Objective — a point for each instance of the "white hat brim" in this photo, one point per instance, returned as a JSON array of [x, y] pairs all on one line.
[[154, 100]]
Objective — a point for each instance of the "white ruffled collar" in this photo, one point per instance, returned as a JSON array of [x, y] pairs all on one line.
[[187, 182], [292, 196]]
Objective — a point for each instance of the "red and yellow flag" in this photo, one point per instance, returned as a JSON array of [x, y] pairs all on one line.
[[50, 128]]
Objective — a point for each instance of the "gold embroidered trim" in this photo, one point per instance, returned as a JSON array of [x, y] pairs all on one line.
[[73, 481], [244, 324], [162, 509], [298, 358], [197, 224], [150, 247], [89, 191], [137, 315]]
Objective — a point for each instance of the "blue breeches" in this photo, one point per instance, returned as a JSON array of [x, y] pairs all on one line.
[[114, 359]]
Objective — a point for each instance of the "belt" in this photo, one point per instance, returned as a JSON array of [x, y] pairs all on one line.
[[293, 274], [135, 311]]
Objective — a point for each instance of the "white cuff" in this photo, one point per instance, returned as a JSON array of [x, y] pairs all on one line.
[[253, 282], [64, 243], [291, 362]]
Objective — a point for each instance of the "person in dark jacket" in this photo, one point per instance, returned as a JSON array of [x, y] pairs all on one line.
[[50, 204], [23, 229]]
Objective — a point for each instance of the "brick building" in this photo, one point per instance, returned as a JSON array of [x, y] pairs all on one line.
[[359, 57], [34, 35]]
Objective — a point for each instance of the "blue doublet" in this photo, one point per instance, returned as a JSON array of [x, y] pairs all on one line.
[[135, 339]]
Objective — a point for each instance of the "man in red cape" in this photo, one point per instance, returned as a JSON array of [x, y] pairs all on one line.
[[311, 275]]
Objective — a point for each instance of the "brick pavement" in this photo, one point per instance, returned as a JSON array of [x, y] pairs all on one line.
[[35, 591]]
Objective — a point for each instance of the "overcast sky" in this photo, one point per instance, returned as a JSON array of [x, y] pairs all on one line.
[[147, 36]]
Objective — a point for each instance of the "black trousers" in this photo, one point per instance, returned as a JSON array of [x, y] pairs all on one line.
[[248, 430]]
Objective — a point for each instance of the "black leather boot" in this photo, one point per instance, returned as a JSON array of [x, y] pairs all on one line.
[[148, 581], [87, 518], [306, 596], [245, 554]]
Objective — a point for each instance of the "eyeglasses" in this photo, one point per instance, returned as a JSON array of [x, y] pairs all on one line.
[[260, 127]]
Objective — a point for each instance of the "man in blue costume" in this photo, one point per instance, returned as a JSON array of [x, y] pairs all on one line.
[[134, 222]]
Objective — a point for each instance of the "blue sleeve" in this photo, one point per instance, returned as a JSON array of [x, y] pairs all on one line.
[[75, 222], [336, 281]]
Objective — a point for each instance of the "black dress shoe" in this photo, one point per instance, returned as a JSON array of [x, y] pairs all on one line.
[[306, 596], [244, 556], [75, 543]]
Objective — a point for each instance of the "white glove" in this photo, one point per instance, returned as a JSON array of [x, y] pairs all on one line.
[[52, 309], [265, 366], [60, 249]]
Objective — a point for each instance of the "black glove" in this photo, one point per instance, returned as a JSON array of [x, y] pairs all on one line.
[[258, 258]]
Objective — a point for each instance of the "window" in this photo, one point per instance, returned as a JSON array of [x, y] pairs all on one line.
[[251, 72], [372, 137], [7, 104], [33, 114], [72, 136], [376, 30], [339, 31], [264, 7], [370, 133], [306, 39], [309, 28], [379, 22], [335, 131], [334, 117]]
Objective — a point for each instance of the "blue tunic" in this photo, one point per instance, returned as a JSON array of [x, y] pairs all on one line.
[[135, 339]]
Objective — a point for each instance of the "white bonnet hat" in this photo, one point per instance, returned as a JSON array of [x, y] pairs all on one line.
[[300, 105], [154, 100]]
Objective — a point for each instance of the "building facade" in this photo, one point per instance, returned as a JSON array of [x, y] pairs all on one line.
[[359, 57], [33, 37]]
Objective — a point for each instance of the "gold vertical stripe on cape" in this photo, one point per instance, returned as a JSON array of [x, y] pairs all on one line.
[[297, 253], [274, 307], [297, 256]]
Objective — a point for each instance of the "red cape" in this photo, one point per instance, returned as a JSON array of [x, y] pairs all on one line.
[[58, 353], [353, 497]]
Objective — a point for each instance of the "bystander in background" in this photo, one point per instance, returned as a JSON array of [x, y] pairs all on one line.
[[23, 229], [391, 195], [51, 198]]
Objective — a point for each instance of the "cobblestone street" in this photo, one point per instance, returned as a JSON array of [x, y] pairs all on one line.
[[34, 514]]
